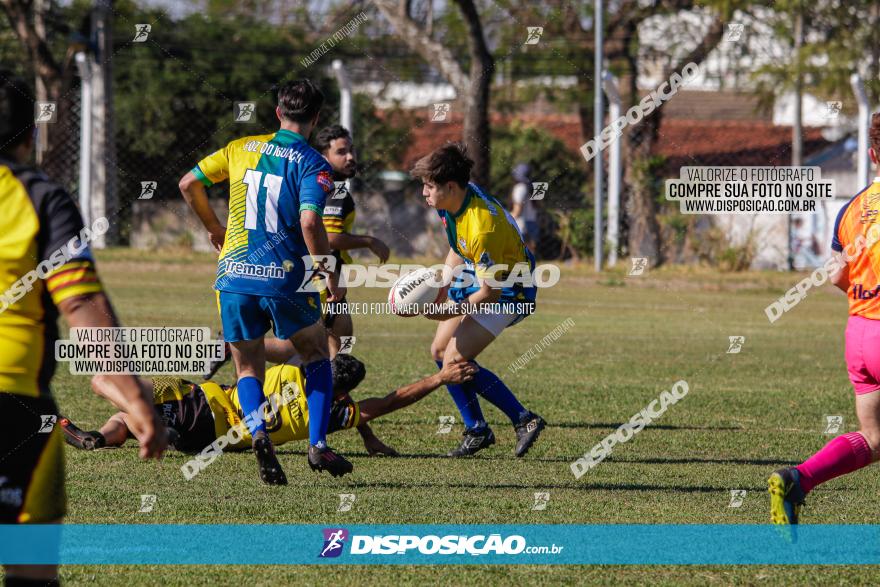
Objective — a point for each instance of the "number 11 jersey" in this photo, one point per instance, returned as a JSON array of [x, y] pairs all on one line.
[[272, 179]]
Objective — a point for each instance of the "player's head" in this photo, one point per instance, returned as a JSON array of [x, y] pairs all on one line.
[[299, 103], [874, 139], [16, 117], [445, 173], [334, 143], [348, 373]]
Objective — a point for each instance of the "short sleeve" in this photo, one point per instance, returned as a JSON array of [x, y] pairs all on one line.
[[314, 187], [836, 243], [64, 248], [336, 213], [214, 168]]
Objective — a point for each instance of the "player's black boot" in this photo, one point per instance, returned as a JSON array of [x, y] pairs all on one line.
[[527, 432], [79, 438], [270, 469], [472, 441], [324, 459]]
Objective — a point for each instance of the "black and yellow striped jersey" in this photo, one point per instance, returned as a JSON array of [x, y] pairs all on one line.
[[44, 260], [339, 215]]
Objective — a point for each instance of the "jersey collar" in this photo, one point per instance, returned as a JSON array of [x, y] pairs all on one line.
[[464, 203], [291, 134]]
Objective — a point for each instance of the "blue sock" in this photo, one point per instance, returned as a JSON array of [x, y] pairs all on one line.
[[250, 397], [468, 404], [319, 396], [488, 385]]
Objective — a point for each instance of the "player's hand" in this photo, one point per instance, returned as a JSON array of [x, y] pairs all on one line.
[[380, 249], [376, 447], [149, 431], [456, 373], [217, 237], [335, 292]]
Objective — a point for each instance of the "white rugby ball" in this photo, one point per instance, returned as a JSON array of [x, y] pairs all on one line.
[[411, 291]]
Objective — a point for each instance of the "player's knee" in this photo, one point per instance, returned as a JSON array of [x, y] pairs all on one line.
[[437, 352], [872, 436]]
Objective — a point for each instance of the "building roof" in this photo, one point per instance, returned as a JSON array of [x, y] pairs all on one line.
[[682, 141]]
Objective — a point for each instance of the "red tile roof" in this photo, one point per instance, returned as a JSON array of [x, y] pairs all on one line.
[[683, 142]]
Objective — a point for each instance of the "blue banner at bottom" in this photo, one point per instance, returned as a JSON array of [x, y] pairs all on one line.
[[439, 544]]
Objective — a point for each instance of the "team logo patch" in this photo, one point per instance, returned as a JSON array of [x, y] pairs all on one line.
[[325, 181], [334, 540], [485, 261]]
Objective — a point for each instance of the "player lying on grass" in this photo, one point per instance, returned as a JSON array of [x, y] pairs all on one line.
[[197, 414], [856, 233], [483, 236]]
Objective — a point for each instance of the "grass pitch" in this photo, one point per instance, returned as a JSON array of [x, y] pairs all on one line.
[[633, 337]]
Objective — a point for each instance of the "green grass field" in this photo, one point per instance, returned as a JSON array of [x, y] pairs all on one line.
[[633, 337]]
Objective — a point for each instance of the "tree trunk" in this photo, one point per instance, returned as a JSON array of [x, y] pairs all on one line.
[[472, 89]]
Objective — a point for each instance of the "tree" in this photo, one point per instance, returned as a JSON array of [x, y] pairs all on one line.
[[472, 87]]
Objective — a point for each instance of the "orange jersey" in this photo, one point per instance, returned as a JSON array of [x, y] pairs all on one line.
[[858, 218]]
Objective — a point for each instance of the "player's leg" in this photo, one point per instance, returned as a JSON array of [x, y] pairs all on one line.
[[465, 400], [31, 575], [340, 325], [470, 338], [245, 322], [31, 476], [300, 320], [281, 351], [848, 452]]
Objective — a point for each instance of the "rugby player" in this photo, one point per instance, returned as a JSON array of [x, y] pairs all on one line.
[[856, 232], [45, 267], [335, 144], [277, 189], [483, 236], [197, 414]]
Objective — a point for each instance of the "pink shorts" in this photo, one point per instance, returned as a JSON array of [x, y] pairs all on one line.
[[863, 353]]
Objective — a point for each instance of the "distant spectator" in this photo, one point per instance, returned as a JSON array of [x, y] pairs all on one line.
[[521, 207]]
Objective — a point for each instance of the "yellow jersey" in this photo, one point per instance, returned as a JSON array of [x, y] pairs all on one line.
[[44, 260]]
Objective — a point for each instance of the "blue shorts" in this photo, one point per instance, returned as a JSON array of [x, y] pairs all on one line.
[[249, 317]]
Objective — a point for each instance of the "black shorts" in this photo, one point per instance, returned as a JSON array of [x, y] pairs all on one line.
[[31, 461], [191, 419]]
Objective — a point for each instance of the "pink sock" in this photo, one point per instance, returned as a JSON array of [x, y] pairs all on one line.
[[844, 454]]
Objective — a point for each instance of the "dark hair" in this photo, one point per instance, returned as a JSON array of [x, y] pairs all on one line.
[[328, 134], [448, 163], [300, 100], [16, 111], [348, 373], [874, 133]]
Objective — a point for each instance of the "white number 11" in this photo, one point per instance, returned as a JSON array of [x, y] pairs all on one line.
[[272, 183]]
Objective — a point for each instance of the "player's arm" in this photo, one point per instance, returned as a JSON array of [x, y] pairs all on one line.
[[340, 240], [373, 445], [123, 391], [78, 294], [489, 292], [193, 184], [840, 276], [312, 196], [345, 241], [453, 373]]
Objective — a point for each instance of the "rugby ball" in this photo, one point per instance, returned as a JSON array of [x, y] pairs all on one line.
[[411, 291]]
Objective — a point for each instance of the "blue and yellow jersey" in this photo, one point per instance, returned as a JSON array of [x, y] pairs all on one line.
[[43, 262], [487, 238], [272, 178]]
